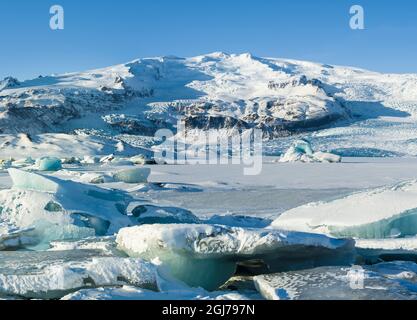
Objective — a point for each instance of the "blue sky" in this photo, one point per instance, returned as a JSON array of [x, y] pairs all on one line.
[[100, 33]]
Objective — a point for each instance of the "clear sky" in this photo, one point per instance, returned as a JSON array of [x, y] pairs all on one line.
[[100, 33]]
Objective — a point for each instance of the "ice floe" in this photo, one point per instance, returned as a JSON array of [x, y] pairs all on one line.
[[385, 281], [133, 293], [387, 245], [71, 160], [206, 255], [106, 245], [58, 279], [387, 212]]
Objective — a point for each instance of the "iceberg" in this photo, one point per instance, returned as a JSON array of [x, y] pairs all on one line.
[[23, 162], [71, 160], [206, 255], [384, 281], [327, 157], [34, 182], [301, 151], [96, 178], [48, 164], [5, 164], [138, 160], [388, 212], [11, 238], [388, 245], [62, 209], [58, 279], [107, 159], [303, 146], [372, 251], [106, 245], [119, 162], [90, 160], [135, 175], [149, 214]]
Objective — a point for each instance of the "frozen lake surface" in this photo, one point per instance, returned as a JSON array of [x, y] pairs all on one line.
[[213, 194]]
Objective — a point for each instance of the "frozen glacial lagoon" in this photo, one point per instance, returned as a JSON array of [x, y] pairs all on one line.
[[199, 197]]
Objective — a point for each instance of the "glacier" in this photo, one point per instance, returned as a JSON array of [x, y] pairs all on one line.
[[116, 110]]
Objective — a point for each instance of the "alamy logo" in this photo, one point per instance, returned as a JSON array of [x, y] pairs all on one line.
[[211, 147], [57, 20], [357, 21]]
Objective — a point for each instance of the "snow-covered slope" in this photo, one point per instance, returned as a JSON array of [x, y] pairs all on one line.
[[218, 90]]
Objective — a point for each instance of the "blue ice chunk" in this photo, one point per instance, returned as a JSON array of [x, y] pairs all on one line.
[[303, 146], [49, 164]]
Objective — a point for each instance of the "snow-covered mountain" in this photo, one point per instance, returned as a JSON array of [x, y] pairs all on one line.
[[339, 107]]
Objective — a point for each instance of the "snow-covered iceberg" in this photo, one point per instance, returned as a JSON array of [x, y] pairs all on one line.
[[58, 209], [301, 151], [384, 281], [375, 250], [388, 212], [206, 255]]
